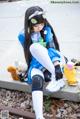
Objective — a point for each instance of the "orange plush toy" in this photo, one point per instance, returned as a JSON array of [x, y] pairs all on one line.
[[18, 72], [13, 72]]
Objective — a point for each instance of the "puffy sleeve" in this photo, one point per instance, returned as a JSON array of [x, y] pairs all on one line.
[[49, 37], [21, 37], [48, 34]]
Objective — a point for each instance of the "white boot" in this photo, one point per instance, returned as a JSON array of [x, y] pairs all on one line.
[[55, 85], [61, 83], [37, 98]]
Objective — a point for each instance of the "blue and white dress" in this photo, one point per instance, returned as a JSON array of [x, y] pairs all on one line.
[[36, 37]]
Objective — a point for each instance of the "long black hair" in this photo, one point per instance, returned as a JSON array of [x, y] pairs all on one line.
[[28, 30]]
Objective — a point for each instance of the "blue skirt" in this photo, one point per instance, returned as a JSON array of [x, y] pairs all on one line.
[[53, 54]]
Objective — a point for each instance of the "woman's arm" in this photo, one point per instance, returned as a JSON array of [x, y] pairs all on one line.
[[21, 37], [50, 38]]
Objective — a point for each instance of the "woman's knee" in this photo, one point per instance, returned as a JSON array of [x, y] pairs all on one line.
[[33, 47], [36, 47], [37, 83], [37, 79]]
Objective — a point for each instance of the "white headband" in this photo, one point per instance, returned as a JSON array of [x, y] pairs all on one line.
[[36, 13]]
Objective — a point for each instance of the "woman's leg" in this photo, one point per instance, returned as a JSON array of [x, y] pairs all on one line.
[[57, 59], [42, 55], [37, 92]]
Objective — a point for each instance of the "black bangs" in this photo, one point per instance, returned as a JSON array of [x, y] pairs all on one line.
[[36, 20]]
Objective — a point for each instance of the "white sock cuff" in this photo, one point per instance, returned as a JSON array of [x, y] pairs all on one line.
[[36, 71]]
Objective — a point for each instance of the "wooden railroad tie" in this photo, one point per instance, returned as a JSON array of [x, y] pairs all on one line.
[[18, 112]]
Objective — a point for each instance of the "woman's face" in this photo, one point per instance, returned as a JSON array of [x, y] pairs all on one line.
[[38, 27]]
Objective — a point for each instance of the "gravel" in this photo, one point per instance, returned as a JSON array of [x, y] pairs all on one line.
[[53, 108]]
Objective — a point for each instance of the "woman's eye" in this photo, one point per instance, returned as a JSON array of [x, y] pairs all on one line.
[[36, 26]]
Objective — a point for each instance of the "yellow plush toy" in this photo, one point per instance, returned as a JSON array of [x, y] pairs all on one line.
[[70, 73]]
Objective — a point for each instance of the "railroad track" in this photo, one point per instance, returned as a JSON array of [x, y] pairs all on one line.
[[17, 112]]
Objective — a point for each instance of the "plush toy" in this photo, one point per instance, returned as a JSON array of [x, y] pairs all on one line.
[[13, 72], [70, 73], [18, 72]]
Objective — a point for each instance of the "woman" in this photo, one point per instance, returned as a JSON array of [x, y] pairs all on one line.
[[42, 54]]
